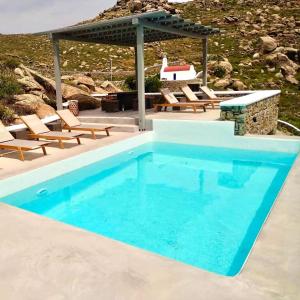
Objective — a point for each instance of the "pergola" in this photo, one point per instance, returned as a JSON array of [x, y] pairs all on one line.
[[133, 31]]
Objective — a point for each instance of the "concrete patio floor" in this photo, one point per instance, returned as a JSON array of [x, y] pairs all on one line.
[[187, 114], [10, 165], [44, 259]]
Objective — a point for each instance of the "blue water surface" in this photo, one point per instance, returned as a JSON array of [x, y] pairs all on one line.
[[203, 206]]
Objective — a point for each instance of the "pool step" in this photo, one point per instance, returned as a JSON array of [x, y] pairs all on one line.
[[109, 120], [117, 127]]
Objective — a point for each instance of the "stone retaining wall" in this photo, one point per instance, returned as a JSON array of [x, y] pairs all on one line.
[[258, 118]]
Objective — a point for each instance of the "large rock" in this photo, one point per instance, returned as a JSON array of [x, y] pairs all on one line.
[[222, 83], [135, 6], [268, 44], [29, 84], [27, 99], [238, 85], [44, 110], [110, 87], [29, 103], [68, 92], [85, 80], [226, 65]]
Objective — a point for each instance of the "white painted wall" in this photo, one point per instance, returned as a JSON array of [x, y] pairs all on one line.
[[182, 75], [218, 134]]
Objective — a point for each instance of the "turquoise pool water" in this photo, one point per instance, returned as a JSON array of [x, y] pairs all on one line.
[[202, 206]]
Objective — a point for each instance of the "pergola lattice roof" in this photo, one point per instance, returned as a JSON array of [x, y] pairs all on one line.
[[158, 26]]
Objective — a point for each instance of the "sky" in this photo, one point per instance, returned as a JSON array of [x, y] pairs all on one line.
[[29, 16]]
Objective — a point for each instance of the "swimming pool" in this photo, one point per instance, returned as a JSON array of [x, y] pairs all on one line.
[[200, 205]]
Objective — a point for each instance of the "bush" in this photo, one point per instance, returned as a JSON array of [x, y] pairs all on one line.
[[88, 103], [10, 63], [219, 71], [6, 114], [8, 85], [152, 84], [131, 82]]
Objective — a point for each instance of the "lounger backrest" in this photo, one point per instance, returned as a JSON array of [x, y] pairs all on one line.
[[189, 93], [67, 116], [170, 98], [208, 92], [35, 124], [5, 135]]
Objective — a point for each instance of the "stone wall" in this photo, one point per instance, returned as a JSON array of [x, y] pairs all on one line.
[[258, 118]]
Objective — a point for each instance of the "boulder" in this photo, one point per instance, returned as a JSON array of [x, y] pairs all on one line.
[[268, 44], [28, 103], [44, 110], [135, 6], [226, 65], [222, 83], [100, 90], [84, 88], [110, 87], [27, 99], [291, 79], [68, 92], [238, 85], [29, 84], [19, 72], [85, 80]]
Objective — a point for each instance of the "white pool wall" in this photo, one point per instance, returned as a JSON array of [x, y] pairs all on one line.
[[218, 134]]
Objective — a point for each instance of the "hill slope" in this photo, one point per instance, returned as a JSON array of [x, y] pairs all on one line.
[[243, 22]]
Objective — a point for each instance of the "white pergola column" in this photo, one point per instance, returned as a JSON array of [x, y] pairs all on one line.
[[55, 44], [141, 76], [204, 60]]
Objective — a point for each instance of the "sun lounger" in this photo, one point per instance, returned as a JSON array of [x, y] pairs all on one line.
[[211, 95], [72, 123], [7, 141], [190, 95], [40, 131], [171, 101]]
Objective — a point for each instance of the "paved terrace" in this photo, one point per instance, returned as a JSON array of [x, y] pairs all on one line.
[[44, 259]]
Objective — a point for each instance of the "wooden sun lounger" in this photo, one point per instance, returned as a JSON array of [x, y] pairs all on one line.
[[40, 131], [211, 95], [72, 123], [190, 95], [7, 141], [171, 101]]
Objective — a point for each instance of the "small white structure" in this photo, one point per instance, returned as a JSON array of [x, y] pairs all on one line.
[[171, 73]]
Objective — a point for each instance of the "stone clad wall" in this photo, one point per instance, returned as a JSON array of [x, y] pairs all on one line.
[[257, 118]]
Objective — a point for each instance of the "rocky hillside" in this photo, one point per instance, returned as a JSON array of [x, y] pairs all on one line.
[[259, 48]]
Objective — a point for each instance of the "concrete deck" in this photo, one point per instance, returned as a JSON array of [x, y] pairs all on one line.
[[10, 165], [45, 259], [209, 115]]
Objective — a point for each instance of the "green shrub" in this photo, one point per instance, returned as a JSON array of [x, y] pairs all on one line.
[[152, 83], [219, 71], [10, 63], [131, 82], [8, 85], [6, 114], [88, 103]]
